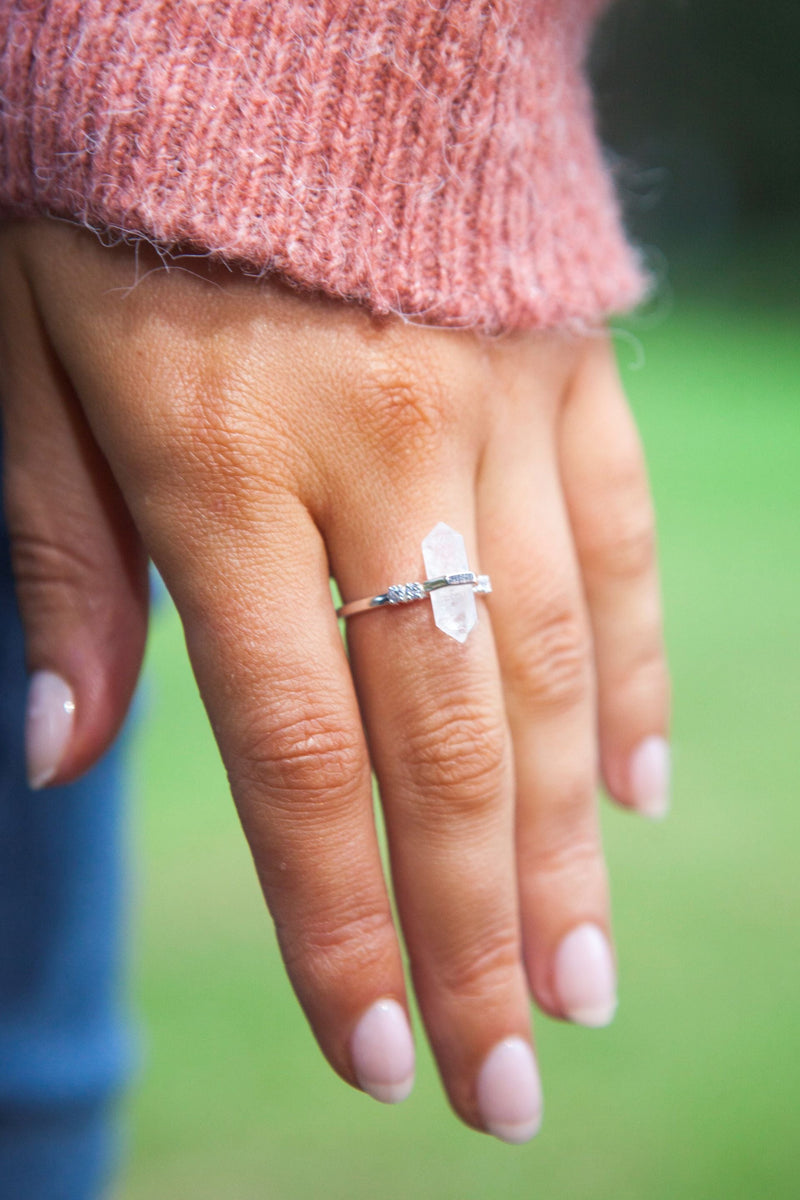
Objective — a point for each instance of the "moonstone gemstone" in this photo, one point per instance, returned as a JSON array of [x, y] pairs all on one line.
[[454, 609]]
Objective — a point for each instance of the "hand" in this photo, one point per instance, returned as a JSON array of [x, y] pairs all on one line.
[[254, 441]]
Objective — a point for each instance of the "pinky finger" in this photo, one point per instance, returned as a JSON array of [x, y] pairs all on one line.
[[611, 512]]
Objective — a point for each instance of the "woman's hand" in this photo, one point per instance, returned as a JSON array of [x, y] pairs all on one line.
[[254, 441]]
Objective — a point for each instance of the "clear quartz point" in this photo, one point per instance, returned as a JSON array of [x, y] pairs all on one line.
[[454, 609]]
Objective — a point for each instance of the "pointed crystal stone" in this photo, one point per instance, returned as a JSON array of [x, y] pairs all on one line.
[[454, 608]]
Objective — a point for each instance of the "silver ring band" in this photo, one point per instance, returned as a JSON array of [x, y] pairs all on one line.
[[406, 593], [454, 611]]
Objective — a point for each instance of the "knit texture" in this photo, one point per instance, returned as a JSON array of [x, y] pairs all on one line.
[[432, 159]]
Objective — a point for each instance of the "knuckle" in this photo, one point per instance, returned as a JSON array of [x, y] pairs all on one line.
[[549, 664], [216, 448], [313, 758], [566, 850], [64, 571], [623, 541], [569, 811], [647, 677], [627, 472], [459, 756], [205, 434], [405, 412], [627, 547], [484, 968], [335, 948]]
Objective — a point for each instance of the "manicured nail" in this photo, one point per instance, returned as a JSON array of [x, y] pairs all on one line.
[[649, 774], [382, 1051], [509, 1091], [585, 978], [49, 717]]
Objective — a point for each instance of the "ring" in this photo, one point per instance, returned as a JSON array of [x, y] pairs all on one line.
[[445, 557]]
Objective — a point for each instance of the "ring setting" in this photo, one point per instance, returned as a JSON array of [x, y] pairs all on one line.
[[451, 585]]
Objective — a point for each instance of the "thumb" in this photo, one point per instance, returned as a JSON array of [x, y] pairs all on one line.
[[79, 566]]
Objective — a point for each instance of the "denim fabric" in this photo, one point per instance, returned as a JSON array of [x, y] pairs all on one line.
[[64, 1047]]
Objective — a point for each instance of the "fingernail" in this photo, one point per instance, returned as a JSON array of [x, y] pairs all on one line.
[[382, 1052], [509, 1091], [585, 978], [649, 775], [49, 717]]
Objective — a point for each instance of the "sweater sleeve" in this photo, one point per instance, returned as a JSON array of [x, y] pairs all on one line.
[[437, 160]]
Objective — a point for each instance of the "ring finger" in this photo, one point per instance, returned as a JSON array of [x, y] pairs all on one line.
[[439, 744]]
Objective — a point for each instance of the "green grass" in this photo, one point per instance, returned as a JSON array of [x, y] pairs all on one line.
[[693, 1092]]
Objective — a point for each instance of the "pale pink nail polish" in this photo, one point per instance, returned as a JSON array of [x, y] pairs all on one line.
[[585, 977], [509, 1091], [382, 1052], [49, 717], [649, 777]]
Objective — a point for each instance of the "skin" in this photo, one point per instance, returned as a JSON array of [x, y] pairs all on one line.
[[253, 441]]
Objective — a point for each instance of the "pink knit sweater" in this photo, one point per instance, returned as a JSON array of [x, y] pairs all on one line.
[[433, 158]]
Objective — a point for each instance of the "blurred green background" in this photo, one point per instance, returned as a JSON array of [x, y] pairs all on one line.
[[694, 1090]]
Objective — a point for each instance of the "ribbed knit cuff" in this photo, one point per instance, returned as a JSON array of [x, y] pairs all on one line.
[[436, 160]]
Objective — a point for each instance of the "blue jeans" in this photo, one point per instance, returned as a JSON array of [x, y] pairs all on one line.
[[64, 1049]]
